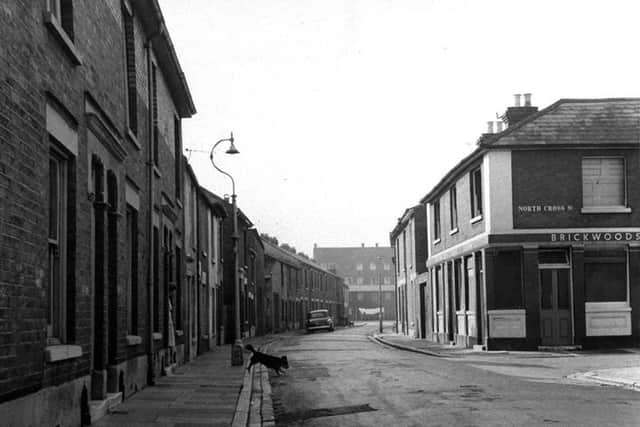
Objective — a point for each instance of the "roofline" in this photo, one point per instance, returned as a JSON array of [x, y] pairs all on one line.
[[453, 172], [181, 93], [493, 138], [488, 141], [303, 260], [404, 219]]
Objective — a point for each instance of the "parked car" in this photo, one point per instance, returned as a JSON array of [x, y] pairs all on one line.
[[319, 319]]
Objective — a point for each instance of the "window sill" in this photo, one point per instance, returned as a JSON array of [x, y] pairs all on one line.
[[157, 336], [476, 219], [57, 353], [605, 209], [435, 242], [54, 26], [454, 231], [134, 139], [133, 340], [156, 171]]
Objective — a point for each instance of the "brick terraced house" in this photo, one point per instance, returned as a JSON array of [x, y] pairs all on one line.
[[91, 101], [409, 242], [544, 249]]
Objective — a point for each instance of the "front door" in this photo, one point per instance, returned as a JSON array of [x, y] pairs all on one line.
[[555, 307]]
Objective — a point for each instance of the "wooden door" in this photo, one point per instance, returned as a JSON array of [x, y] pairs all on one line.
[[555, 307]]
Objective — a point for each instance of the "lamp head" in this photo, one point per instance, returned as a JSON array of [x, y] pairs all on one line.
[[232, 148]]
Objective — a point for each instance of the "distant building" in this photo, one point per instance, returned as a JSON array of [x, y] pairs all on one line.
[[368, 272]]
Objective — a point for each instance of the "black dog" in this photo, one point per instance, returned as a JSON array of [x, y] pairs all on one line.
[[272, 362]]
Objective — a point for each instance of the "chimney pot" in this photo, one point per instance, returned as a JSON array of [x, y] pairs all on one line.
[[517, 97], [489, 127], [527, 100], [362, 245], [376, 245], [499, 127]]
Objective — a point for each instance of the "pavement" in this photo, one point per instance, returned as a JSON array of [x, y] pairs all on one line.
[[207, 391], [614, 367]]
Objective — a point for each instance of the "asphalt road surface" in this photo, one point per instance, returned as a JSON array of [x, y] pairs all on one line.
[[342, 378]]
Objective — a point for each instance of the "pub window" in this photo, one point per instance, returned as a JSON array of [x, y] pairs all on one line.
[[605, 275], [59, 271], [453, 208], [476, 193], [508, 280], [436, 220], [603, 182]]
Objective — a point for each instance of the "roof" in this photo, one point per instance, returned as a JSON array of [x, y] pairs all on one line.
[[607, 122], [279, 254], [576, 122], [214, 202], [404, 219], [152, 19]]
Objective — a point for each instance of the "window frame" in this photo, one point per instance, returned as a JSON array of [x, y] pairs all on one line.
[[58, 17], [453, 209], [57, 287], [437, 225], [624, 207], [475, 186], [133, 245], [128, 28]]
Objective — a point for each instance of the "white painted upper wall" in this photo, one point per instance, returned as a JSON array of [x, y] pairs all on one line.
[[498, 195]]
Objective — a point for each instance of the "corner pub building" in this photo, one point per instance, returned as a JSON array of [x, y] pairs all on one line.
[[534, 238]]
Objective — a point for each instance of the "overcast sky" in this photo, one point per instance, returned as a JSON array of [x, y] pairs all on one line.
[[347, 112]]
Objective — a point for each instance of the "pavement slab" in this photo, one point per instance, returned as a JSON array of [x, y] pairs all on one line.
[[202, 392]]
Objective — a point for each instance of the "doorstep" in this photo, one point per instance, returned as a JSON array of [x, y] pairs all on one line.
[[100, 408], [553, 348]]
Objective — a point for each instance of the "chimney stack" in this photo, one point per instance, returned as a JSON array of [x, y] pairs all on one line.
[[362, 245], [376, 245], [489, 127], [518, 113], [499, 127]]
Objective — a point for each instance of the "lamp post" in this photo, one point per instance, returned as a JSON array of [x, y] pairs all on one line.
[[380, 293], [236, 349]]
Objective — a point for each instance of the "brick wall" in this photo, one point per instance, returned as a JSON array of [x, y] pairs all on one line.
[[561, 186], [466, 229]]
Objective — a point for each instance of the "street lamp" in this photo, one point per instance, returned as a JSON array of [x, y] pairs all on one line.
[[236, 349], [380, 293]]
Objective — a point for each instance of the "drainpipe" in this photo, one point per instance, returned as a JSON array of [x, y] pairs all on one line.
[[150, 164]]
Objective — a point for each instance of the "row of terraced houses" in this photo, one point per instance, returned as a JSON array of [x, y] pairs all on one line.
[[533, 240], [115, 264]]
